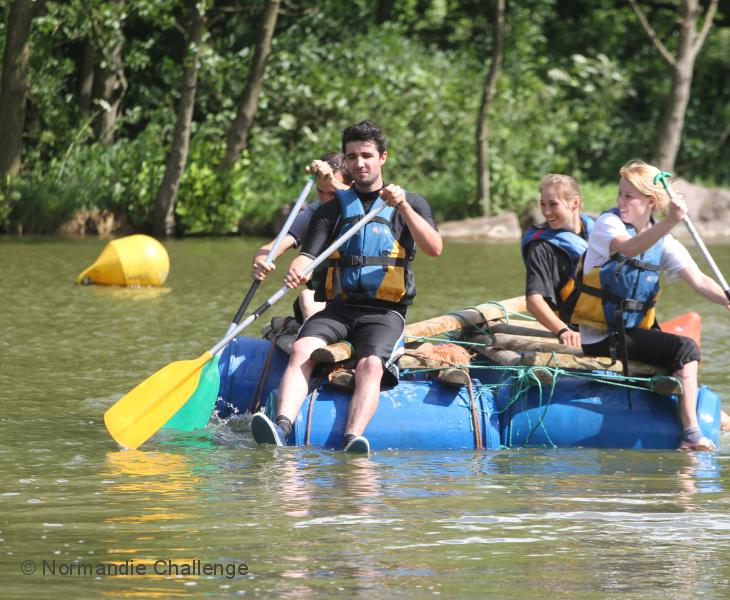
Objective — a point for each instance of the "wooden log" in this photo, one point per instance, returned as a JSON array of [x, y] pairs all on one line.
[[453, 376], [522, 327], [512, 358], [343, 379], [476, 317], [519, 343]]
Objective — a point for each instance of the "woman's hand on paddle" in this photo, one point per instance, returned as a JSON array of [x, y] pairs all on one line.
[[294, 277], [570, 338], [677, 208]]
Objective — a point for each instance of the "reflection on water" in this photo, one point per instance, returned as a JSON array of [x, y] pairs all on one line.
[[161, 480], [129, 293], [518, 523]]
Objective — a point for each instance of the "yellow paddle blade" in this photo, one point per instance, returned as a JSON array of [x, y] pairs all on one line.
[[138, 415]]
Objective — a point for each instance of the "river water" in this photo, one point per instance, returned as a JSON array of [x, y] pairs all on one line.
[[81, 518]]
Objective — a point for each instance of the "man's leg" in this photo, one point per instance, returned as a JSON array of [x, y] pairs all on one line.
[[292, 392], [308, 305], [375, 335], [295, 381], [364, 400]]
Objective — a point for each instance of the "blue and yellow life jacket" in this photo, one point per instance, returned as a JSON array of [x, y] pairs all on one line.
[[620, 293], [371, 265], [573, 244], [570, 243]]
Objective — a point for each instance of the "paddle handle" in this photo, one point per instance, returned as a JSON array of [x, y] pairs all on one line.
[[306, 271], [698, 240], [274, 249], [708, 257]]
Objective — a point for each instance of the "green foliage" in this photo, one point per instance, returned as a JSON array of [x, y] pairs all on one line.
[[580, 91], [210, 200], [36, 206], [598, 197]]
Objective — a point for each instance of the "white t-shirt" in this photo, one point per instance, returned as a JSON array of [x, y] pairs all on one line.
[[609, 226]]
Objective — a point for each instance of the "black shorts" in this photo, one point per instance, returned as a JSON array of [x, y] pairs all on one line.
[[371, 332], [652, 347]]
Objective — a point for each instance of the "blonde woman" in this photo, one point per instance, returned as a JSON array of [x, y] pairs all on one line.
[[627, 250]]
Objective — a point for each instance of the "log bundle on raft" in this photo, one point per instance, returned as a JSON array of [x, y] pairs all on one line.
[[491, 331]]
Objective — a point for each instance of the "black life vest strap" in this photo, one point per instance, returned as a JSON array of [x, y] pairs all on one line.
[[368, 261], [634, 262], [355, 219]]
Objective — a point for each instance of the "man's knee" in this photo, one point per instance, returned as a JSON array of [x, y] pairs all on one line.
[[303, 348], [369, 366]]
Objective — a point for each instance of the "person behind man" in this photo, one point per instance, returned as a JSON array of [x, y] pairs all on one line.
[[551, 252], [368, 287], [332, 175], [620, 284]]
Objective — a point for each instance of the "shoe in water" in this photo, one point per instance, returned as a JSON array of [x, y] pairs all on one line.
[[358, 445], [265, 431], [701, 445]]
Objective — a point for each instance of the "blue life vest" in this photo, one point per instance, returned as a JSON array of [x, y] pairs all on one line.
[[371, 265], [620, 293], [572, 245]]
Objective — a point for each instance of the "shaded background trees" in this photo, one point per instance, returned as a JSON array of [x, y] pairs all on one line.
[[581, 89]]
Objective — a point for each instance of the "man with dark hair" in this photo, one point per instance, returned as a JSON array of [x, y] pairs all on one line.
[[368, 287], [332, 175]]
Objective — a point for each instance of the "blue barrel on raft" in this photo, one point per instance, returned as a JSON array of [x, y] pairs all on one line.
[[242, 365], [582, 412], [423, 415], [429, 415]]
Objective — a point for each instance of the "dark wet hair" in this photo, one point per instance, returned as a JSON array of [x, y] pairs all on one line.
[[364, 131], [336, 160]]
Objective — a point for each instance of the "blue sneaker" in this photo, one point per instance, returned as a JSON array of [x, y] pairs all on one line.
[[358, 445], [265, 431]]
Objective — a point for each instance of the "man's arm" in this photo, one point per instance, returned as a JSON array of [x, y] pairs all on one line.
[[426, 237], [260, 268]]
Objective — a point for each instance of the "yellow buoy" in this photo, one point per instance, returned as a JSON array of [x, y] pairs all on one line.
[[134, 260]]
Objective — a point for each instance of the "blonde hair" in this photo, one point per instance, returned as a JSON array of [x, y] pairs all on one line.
[[641, 175], [567, 187]]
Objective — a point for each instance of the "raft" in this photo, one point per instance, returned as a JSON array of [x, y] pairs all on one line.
[[518, 392]]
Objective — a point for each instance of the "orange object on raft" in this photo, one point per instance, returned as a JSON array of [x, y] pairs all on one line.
[[688, 325]]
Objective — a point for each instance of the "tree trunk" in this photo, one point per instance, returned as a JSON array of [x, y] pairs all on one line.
[[669, 136], [164, 210], [86, 77], [671, 124], [237, 138], [13, 83], [482, 125], [110, 85], [384, 11]]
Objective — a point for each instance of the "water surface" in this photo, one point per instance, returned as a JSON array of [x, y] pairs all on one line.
[[306, 523]]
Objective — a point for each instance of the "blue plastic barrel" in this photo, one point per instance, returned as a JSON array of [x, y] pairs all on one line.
[[579, 412], [241, 367], [424, 415]]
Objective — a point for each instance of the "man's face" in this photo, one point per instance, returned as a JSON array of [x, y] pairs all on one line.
[[325, 190], [364, 163]]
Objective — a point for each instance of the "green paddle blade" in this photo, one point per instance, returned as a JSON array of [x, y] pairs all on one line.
[[195, 413], [142, 411]]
